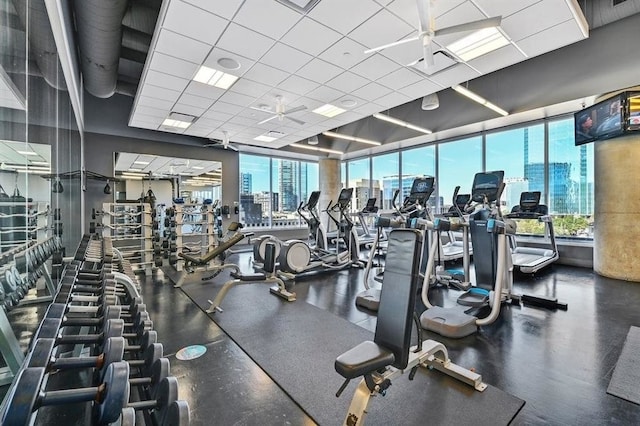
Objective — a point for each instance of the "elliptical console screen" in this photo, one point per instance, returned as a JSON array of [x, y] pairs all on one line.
[[486, 185], [313, 199], [345, 197], [421, 190]]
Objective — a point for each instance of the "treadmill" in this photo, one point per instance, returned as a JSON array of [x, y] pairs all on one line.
[[530, 260]]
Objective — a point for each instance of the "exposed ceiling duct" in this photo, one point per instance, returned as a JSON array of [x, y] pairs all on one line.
[[99, 26], [603, 12], [41, 41]]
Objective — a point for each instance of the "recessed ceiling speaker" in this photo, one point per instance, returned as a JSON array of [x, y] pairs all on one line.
[[430, 102], [313, 140]]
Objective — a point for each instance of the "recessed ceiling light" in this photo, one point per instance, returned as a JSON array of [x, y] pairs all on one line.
[[329, 110], [349, 103], [351, 138], [141, 162], [197, 167], [175, 123], [229, 63], [135, 170], [214, 77], [27, 152], [40, 163], [264, 138], [478, 43], [315, 148], [401, 123]]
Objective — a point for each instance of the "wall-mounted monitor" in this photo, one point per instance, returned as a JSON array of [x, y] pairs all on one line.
[[608, 119]]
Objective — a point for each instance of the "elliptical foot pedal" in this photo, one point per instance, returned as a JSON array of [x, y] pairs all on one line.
[[369, 299], [449, 322]]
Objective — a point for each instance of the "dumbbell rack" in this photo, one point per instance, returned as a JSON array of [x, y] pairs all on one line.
[[36, 223], [199, 242], [130, 231], [121, 370]]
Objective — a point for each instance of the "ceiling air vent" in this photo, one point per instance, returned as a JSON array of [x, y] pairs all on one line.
[[300, 6], [442, 61], [274, 134]]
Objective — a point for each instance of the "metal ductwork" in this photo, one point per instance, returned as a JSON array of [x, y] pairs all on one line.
[[603, 12], [99, 25], [41, 41]]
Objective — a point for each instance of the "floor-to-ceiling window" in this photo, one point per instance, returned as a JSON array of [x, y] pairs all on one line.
[[385, 178], [359, 180], [418, 162], [255, 190], [458, 162]]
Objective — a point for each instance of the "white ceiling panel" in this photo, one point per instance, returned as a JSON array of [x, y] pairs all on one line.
[[504, 8], [181, 47], [217, 115], [183, 108], [242, 121], [226, 9], [345, 53], [347, 82], [226, 108], [384, 27], [407, 10], [266, 74], [375, 66], [285, 58], [267, 17], [203, 26], [319, 71], [237, 99], [352, 13], [173, 66], [155, 103], [520, 25], [372, 91], [167, 81], [245, 42], [207, 122], [324, 94], [159, 93], [454, 75], [497, 59], [420, 88], [393, 99], [553, 38], [195, 101], [250, 88], [217, 54], [311, 37], [204, 90], [400, 78], [298, 85]]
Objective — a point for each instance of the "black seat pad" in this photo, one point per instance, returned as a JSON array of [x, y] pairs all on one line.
[[249, 277], [365, 358]]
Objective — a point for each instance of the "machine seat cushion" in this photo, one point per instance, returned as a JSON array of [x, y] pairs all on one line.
[[534, 250], [365, 358], [249, 277]]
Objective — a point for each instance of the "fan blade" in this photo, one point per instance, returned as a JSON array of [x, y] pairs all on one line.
[[395, 43], [209, 145], [273, 117], [295, 120], [296, 109], [424, 14], [470, 26]]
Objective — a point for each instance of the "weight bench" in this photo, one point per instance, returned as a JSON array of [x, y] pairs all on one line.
[[268, 277], [389, 354], [191, 262]]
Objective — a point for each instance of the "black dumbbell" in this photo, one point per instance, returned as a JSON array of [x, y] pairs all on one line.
[[110, 397], [42, 355]]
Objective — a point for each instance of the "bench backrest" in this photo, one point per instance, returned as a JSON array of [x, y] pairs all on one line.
[[398, 295]]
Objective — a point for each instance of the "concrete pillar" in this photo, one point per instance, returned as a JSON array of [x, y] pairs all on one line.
[[330, 185], [617, 208]]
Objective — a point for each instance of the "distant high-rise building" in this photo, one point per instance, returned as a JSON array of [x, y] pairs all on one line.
[[363, 189], [561, 188], [513, 188], [289, 181], [245, 183]]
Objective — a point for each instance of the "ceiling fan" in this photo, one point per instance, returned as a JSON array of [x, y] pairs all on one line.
[[427, 31], [224, 143], [280, 113]]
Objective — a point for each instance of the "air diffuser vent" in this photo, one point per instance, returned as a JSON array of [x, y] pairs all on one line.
[[300, 6]]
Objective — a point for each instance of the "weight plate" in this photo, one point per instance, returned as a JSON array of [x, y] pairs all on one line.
[[115, 393], [113, 351], [128, 416], [178, 414], [159, 371], [24, 396], [152, 354]]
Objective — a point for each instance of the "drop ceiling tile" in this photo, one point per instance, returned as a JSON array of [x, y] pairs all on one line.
[[237, 99], [173, 66], [245, 42], [346, 102], [285, 58], [375, 67], [266, 75], [504, 8], [347, 82], [242, 121], [382, 28], [169, 129], [212, 124], [400, 78], [182, 108], [555, 37], [159, 93], [407, 10], [155, 103], [197, 131], [455, 75], [203, 26], [311, 118], [393, 100], [225, 9], [498, 59], [383, 2], [319, 71], [352, 13], [151, 112], [324, 94], [420, 88], [404, 54], [226, 108], [465, 12], [520, 25], [270, 98], [347, 117], [216, 54], [345, 53], [250, 88], [310, 36], [165, 80], [371, 91], [195, 101], [267, 17], [298, 85], [181, 47], [204, 90]]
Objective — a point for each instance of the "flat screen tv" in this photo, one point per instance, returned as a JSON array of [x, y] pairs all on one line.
[[608, 119]]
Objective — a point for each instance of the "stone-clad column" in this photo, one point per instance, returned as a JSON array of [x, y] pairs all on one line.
[[330, 184], [617, 208]]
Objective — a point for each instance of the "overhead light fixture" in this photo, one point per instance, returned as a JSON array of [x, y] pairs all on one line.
[[329, 110], [478, 43], [40, 163], [214, 77], [430, 102], [135, 170], [18, 167], [197, 167], [264, 138], [27, 152], [34, 172], [176, 123], [141, 162], [313, 140], [479, 99], [402, 123], [351, 138], [134, 174], [315, 148]]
